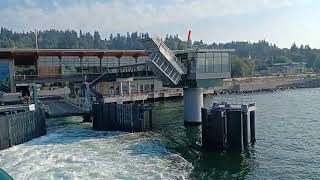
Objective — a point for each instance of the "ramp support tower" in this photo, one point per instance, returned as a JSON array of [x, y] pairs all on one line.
[[192, 102]]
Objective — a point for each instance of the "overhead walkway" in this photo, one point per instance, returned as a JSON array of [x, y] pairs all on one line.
[[108, 74], [163, 61]]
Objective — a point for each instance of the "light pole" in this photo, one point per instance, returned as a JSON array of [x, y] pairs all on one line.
[[36, 36], [253, 67]]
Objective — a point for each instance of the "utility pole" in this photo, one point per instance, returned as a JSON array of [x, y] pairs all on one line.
[[253, 68], [36, 36]]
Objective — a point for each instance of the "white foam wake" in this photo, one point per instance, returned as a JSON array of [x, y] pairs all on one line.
[[77, 153]]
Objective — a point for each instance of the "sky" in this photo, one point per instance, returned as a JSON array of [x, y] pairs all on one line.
[[282, 22]]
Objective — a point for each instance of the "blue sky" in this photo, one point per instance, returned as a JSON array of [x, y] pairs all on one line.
[[278, 21]]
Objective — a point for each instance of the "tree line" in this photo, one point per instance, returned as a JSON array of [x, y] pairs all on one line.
[[263, 53]]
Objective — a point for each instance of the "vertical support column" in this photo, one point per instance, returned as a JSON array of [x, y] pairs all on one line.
[[150, 120], [129, 88], [136, 59], [120, 89], [87, 103], [100, 60], [253, 126], [119, 63], [12, 74], [114, 91], [245, 125], [137, 87], [81, 64], [193, 102], [135, 69], [35, 96], [37, 64], [146, 70], [60, 65]]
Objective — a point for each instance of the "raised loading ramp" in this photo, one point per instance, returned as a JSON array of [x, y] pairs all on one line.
[[163, 61], [61, 108]]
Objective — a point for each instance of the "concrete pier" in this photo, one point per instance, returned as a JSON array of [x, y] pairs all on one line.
[[193, 102]]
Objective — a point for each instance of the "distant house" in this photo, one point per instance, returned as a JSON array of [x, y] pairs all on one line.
[[288, 68], [264, 72]]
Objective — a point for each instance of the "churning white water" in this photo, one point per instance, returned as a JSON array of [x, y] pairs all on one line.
[[72, 151]]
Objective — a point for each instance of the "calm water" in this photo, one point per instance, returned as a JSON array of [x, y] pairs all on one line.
[[288, 146]]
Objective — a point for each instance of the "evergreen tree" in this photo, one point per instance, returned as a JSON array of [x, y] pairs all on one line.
[[262, 51]]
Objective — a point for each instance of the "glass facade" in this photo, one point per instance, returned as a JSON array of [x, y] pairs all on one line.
[[217, 62], [213, 62], [127, 60], [70, 65], [201, 58], [48, 61], [199, 62], [225, 62], [90, 64]]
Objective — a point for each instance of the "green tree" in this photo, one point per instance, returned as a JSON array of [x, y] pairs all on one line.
[[240, 67], [316, 65]]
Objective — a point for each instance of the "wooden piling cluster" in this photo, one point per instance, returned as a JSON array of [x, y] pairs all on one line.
[[120, 117], [228, 127], [21, 127]]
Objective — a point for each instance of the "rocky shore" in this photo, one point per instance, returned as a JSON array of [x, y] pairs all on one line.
[[264, 84]]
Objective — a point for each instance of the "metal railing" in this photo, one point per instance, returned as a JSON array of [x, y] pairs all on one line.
[[234, 100], [169, 54], [137, 93], [110, 70]]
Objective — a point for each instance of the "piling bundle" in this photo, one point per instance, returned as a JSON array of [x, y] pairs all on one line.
[[228, 127], [121, 117]]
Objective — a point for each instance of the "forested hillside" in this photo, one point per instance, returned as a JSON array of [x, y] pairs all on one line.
[[262, 53]]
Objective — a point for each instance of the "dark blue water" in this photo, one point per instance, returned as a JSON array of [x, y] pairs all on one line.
[[287, 147], [288, 138]]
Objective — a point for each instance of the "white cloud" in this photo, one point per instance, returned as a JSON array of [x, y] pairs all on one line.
[[125, 15], [167, 16]]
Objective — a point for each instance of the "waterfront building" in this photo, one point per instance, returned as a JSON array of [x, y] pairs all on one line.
[[288, 68], [53, 69]]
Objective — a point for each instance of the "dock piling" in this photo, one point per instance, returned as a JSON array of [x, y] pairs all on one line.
[[120, 117], [234, 130], [253, 126], [214, 129], [226, 126], [245, 125]]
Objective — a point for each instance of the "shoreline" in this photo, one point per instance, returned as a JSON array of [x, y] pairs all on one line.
[[269, 85]]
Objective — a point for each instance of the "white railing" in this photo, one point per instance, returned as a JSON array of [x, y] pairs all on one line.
[[234, 100], [168, 54]]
